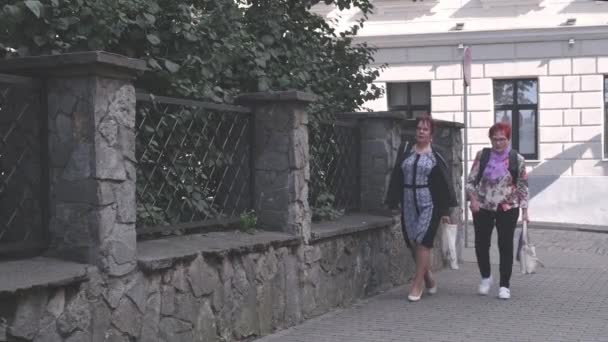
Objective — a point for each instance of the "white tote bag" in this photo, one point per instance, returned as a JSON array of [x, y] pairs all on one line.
[[448, 238], [528, 260]]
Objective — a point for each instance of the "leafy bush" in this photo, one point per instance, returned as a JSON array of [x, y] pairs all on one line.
[[207, 49], [248, 221], [325, 208]]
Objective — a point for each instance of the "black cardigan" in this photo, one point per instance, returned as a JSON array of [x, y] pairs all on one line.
[[440, 183]]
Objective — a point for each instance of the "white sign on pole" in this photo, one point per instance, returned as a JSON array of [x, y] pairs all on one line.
[[466, 66]]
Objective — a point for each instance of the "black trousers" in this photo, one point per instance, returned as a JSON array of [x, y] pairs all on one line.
[[505, 221]]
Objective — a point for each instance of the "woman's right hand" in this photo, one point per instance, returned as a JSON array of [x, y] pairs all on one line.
[[474, 206]]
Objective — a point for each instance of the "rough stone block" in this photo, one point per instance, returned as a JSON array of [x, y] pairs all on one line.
[[118, 251], [30, 308], [108, 129], [203, 278], [109, 163], [77, 316], [127, 318], [205, 327], [175, 330], [80, 163], [151, 319], [122, 103], [126, 203]]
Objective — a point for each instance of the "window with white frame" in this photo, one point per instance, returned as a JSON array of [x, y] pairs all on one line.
[[516, 102], [414, 98]]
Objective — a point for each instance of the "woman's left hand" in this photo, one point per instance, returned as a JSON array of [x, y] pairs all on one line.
[[525, 217], [445, 219]]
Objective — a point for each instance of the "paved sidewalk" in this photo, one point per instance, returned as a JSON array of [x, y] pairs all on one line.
[[566, 301]]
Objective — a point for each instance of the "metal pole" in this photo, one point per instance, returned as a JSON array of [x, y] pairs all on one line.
[[465, 162]]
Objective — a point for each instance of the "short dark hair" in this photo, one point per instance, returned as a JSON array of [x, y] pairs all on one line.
[[428, 119], [500, 127]]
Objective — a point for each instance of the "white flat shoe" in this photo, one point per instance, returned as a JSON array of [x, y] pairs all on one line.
[[432, 290], [504, 293], [484, 286], [413, 298]]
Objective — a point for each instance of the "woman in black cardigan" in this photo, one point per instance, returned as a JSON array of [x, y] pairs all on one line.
[[421, 184]]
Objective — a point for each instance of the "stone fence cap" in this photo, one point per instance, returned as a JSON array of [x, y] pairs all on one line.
[[276, 96], [73, 63], [395, 115]]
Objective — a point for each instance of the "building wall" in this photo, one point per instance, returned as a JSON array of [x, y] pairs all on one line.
[[512, 39]]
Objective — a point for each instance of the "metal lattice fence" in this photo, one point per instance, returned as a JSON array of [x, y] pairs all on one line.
[[193, 164], [334, 166], [23, 191]]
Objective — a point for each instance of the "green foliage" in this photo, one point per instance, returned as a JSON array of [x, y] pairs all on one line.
[[325, 208], [248, 221], [207, 49]]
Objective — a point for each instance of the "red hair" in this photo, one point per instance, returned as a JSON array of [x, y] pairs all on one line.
[[427, 119], [503, 127]]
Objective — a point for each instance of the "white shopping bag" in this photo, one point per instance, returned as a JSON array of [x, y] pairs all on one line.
[[528, 260], [449, 232]]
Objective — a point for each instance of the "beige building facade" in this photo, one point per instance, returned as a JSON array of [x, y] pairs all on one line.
[[542, 66]]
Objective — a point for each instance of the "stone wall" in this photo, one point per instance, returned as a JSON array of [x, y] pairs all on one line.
[[231, 294], [98, 283]]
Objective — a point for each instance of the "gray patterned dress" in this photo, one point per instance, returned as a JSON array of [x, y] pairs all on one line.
[[418, 203]]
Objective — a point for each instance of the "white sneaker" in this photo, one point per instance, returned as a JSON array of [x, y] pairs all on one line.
[[504, 293], [484, 286]]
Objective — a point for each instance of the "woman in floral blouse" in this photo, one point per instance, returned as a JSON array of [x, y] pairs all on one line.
[[496, 194]]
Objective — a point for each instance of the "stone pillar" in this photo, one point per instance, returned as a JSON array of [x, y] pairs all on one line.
[[380, 138], [91, 155], [281, 160]]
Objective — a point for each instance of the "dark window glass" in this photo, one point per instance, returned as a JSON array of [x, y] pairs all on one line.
[[414, 98], [516, 102], [503, 92], [527, 92]]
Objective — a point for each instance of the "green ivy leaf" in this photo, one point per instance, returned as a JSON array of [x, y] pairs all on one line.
[[153, 39], [35, 6], [172, 67], [150, 18], [154, 64]]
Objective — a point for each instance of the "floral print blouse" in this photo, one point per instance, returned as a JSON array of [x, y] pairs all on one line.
[[502, 192]]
